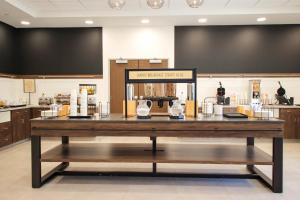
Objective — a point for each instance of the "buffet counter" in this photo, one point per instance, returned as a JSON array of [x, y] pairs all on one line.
[[23, 107], [116, 125], [282, 106]]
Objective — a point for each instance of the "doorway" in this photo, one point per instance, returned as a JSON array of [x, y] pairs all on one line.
[[117, 80]]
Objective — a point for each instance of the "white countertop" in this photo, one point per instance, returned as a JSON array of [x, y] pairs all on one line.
[[275, 106], [22, 107], [281, 106]]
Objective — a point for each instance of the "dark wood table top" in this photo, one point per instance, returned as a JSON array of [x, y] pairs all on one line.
[[160, 119], [116, 125]]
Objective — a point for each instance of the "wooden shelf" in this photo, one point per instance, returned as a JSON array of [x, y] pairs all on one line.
[[167, 153]]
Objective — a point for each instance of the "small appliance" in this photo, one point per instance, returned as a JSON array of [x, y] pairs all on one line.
[[221, 99], [282, 97]]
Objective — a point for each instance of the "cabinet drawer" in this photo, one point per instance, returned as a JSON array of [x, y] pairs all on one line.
[[5, 141], [5, 134], [5, 126]]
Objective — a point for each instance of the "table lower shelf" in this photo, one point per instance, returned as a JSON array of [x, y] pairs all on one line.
[[166, 153]]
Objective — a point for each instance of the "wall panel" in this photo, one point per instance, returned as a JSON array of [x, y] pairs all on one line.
[[59, 51], [239, 49]]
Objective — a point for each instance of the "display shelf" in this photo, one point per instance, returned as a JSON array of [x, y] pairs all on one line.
[[165, 153]]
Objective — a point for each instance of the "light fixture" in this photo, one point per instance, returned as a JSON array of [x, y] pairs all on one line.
[[116, 4], [89, 22], [202, 20], [261, 19], [194, 3], [26, 23], [145, 21], [155, 4]]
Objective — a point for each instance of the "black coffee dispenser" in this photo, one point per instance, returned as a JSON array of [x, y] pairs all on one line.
[[221, 100], [282, 97]]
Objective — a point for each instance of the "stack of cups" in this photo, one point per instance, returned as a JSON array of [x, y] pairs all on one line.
[[73, 103], [83, 102]]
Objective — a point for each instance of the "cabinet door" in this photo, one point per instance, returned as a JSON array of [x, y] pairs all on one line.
[[18, 125], [5, 134], [297, 124], [26, 117], [290, 122], [117, 84]]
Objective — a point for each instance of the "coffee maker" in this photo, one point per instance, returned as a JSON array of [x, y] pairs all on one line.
[[221, 100], [282, 97]]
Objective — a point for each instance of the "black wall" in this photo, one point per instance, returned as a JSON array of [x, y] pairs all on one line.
[[50, 51], [7, 51], [239, 49]]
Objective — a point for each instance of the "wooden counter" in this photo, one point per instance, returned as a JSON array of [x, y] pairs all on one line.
[[154, 153]]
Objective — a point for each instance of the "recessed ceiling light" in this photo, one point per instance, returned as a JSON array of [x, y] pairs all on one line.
[[261, 19], [202, 20], [89, 22], [145, 21], [26, 23], [155, 4], [116, 4], [194, 3]]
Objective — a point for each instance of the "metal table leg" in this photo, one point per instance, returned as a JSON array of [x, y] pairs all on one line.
[[36, 161], [154, 149], [250, 142], [65, 140], [37, 179], [277, 176]]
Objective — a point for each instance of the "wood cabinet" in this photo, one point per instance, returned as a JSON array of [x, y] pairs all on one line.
[[5, 134], [20, 121], [36, 112], [19, 127], [292, 122], [298, 124]]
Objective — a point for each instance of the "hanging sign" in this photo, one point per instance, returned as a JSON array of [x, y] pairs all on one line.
[[161, 75]]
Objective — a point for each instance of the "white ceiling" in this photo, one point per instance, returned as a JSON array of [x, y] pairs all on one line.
[[66, 13]]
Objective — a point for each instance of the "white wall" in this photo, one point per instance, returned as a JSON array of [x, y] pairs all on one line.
[[136, 42], [10, 89], [142, 42], [52, 87], [207, 87]]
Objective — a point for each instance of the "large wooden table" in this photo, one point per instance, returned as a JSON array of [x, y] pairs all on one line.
[[116, 125]]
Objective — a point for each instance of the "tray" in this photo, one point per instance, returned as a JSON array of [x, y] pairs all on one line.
[[80, 117], [144, 117], [235, 115], [177, 117]]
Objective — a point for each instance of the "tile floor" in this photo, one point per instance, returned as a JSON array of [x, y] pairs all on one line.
[[15, 178]]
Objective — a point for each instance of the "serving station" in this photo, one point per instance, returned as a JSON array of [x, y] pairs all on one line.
[[118, 126], [142, 124]]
